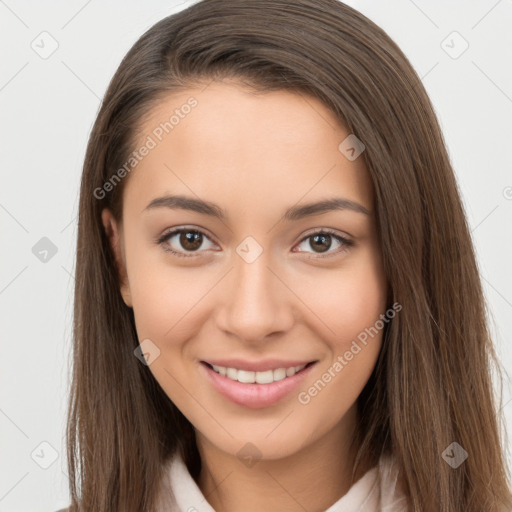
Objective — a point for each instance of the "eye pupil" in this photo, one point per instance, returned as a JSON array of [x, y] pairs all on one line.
[[322, 239], [191, 240]]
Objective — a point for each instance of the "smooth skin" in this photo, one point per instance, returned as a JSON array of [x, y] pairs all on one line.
[[255, 155]]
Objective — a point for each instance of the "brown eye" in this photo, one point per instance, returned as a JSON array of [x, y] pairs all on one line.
[[191, 240], [323, 240], [181, 241]]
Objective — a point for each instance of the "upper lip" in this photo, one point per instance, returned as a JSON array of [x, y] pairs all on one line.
[[257, 366]]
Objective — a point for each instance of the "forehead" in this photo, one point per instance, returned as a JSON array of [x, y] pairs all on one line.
[[227, 142]]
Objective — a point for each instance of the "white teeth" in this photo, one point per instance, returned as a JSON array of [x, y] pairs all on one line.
[[245, 376], [232, 373], [266, 377], [220, 369], [280, 373]]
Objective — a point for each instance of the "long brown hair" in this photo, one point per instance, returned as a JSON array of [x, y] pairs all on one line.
[[432, 384]]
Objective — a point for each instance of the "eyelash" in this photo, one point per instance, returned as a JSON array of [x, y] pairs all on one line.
[[324, 231]]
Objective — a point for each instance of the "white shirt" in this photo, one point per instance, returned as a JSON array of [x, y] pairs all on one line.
[[375, 491]]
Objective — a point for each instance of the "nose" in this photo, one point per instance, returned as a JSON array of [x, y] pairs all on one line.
[[257, 301]]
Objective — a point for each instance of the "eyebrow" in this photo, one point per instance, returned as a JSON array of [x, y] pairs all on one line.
[[293, 213]]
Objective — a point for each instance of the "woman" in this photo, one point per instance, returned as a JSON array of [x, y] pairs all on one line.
[[222, 361]]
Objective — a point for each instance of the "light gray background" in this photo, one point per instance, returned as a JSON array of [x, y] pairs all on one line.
[[47, 110]]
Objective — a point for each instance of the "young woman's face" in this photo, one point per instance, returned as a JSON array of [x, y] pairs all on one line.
[[259, 288]]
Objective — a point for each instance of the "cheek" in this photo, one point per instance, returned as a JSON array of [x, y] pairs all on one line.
[[168, 304], [166, 297], [347, 300], [335, 308], [353, 311], [349, 303], [169, 309]]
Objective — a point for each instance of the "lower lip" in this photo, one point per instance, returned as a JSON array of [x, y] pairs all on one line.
[[255, 396]]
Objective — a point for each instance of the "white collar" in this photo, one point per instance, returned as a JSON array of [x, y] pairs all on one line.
[[374, 491]]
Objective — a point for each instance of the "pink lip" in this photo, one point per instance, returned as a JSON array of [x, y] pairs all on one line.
[[254, 396], [256, 366]]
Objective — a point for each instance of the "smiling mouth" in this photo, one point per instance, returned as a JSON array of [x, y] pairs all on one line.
[[261, 377]]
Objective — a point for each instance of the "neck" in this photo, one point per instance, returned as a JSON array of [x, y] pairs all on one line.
[[313, 478]]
